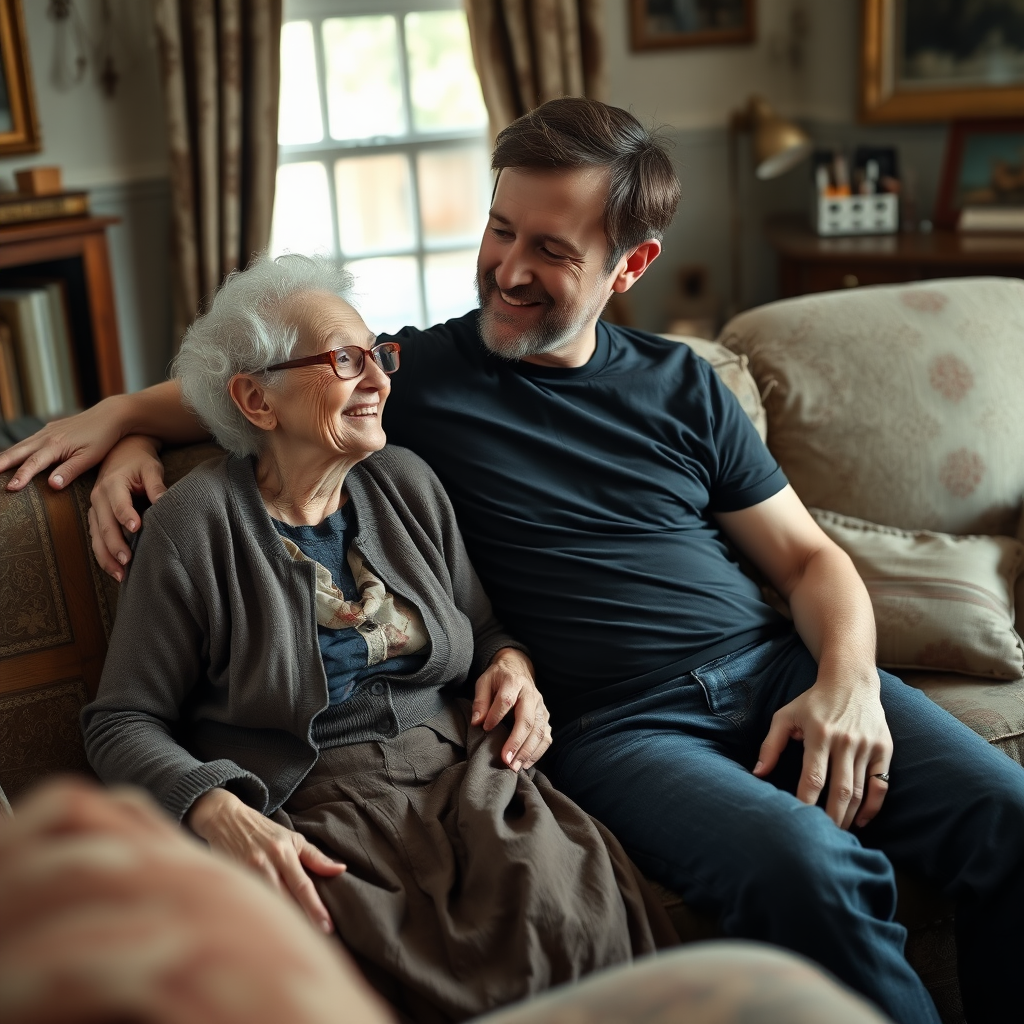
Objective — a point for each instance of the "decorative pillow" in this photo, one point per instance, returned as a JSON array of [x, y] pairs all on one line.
[[898, 404], [732, 368], [941, 602]]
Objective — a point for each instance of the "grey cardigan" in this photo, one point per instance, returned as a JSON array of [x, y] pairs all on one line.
[[214, 676]]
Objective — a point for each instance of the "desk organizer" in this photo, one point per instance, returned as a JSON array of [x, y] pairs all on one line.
[[856, 215]]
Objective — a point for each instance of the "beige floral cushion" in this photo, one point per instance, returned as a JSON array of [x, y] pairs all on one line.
[[897, 404], [732, 368], [941, 602]]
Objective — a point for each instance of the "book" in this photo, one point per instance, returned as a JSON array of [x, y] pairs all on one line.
[[27, 312], [11, 404], [16, 208], [24, 426], [70, 399], [63, 354], [991, 218]]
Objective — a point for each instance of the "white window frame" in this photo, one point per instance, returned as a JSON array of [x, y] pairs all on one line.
[[411, 143]]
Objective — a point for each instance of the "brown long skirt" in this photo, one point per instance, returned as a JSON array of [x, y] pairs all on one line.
[[468, 886]]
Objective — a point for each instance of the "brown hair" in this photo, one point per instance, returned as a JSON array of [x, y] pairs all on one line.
[[568, 133]]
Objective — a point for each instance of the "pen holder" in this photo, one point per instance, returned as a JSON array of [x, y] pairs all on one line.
[[856, 215]]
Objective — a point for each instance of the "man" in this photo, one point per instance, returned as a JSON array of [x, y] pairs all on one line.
[[596, 474]]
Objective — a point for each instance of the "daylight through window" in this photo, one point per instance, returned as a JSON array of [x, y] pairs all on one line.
[[383, 155]]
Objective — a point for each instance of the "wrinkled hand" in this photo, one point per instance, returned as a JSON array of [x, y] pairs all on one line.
[[275, 853], [76, 443], [133, 467], [505, 684], [846, 740]]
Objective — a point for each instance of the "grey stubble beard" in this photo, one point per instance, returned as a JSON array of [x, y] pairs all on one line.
[[556, 328]]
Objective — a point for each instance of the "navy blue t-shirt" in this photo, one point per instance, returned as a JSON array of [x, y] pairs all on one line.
[[344, 651], [585, 498]]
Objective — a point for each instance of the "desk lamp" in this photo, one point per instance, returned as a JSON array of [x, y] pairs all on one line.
[[778, 146]]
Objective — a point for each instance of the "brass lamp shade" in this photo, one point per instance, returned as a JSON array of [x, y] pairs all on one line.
[[778, 144]]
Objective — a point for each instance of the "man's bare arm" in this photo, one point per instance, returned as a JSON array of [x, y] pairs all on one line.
[[79, 442], [840, 719]]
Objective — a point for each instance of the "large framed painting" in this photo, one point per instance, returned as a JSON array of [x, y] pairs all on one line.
[[935, 60], [655, 24], [19, 129]]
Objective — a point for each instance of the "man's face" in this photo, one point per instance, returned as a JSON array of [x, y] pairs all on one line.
[[540, 274]]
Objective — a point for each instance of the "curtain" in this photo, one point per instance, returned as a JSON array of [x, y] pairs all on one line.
[[529, 51], [220, 69]]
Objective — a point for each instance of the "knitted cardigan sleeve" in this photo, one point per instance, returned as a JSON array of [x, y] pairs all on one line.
[[129, 728]]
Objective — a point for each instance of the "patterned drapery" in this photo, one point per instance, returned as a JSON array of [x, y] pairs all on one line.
[[220, 69], [530, 51]]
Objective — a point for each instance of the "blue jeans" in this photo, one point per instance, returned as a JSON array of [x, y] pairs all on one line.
[[669, 772]]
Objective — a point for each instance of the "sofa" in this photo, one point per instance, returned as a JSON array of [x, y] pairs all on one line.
[[895, 413]]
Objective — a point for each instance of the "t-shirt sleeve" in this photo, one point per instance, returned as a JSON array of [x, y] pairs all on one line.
[[745, 473]]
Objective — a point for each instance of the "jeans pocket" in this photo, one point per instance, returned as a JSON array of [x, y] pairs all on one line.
[[730, 682]]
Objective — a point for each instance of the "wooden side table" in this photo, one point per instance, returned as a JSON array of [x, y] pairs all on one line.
[[810, 263], [74, 250]]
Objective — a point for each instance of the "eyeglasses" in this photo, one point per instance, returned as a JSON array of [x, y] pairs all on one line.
[[348, 362]]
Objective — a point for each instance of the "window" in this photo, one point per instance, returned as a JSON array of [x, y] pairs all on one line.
[[383, 153]]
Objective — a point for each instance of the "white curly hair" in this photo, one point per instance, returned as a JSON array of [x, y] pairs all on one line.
[[241, 333]]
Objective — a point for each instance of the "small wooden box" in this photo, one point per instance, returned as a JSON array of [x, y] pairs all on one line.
[[39, 181]]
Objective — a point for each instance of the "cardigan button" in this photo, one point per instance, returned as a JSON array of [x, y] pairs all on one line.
[[383, 724], [377, 689]]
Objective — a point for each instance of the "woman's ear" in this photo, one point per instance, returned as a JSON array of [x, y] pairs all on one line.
[[252, 401]]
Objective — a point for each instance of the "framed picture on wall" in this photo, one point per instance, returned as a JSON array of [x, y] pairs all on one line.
[[983, 169], [19, 128], [655, 24], [923, 60]]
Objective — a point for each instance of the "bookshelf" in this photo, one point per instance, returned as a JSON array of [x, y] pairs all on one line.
[[74, 251]]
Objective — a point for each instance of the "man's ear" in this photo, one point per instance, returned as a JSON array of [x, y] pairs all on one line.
[[252, 401], [632, 267]]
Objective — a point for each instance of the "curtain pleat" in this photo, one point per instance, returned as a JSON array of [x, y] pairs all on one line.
[[529, 51], [220, 67]]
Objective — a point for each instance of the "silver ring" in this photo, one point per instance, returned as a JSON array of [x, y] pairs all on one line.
[[884, 776]]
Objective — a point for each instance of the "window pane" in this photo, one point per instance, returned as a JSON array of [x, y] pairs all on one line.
[[443, 82], [302, 210], [364, 86], [454, 193], [387, 293], [374, 203], [450, 280], [299, 119]]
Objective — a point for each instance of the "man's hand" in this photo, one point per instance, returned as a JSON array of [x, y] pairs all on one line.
[[275, 853], [505, 684], [846, 740], [75, 443], [132, 467]]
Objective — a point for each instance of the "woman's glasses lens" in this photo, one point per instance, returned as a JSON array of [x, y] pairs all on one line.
[[348, 361]]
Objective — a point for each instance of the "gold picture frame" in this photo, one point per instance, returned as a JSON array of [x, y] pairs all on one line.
[[19, 126], [651, 29], [884, 98]]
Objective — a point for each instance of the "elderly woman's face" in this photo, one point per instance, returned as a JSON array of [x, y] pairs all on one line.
[[312, 404]]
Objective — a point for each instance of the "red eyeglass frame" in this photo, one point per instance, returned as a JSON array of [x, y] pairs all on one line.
[[331, 358]]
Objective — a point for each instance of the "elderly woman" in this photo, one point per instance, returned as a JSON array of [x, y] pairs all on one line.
[[286, 668]]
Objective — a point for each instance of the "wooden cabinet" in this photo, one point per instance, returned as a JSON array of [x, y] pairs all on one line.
[[810, 263], [74, 250]]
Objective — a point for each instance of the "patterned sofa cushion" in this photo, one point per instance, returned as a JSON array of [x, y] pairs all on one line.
[[897, 404], [940, 602]]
